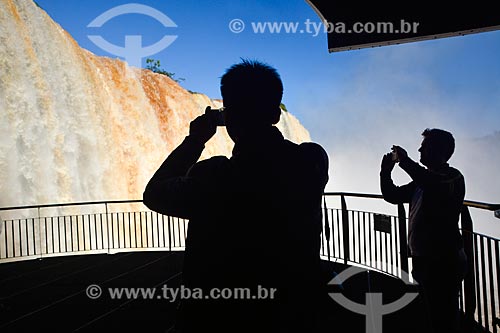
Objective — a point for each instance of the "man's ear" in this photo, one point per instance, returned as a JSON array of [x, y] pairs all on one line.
[[275, 115]]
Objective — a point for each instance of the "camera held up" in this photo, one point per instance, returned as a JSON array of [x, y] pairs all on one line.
[[394, 153], [219, 116]]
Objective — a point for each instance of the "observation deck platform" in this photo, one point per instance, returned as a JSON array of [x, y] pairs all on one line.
[[53, 257], [49, 295]]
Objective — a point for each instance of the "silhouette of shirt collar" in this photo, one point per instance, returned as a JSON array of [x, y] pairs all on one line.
[[440, 169], [259, 142]]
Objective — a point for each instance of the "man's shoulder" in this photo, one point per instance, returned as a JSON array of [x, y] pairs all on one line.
[[313, 159], [313, 151], [454, 173], [306, 147], [312, 147], [454, 170]]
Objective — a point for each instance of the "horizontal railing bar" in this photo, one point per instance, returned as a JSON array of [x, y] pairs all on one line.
[[482, 205], [469, 203], [480, 235], [71, 204], [351, 194]]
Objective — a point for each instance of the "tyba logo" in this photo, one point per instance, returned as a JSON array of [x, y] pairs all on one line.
[[374, 309], [133, 51]]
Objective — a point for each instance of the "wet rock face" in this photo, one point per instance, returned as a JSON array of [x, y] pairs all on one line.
[[78, 127]]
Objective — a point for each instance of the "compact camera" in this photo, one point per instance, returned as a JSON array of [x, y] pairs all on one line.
[[219, 116], [394, 153]]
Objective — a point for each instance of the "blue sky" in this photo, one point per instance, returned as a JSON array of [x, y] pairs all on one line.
[[465, 69], [357, 104]]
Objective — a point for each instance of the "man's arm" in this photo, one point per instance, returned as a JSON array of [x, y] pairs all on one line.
[[426, 178], [439, 182], [170, 191], [392, 193]]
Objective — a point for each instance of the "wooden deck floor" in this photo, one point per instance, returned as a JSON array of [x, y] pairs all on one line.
[[49, 295]]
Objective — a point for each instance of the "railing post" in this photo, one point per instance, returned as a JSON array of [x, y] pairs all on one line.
[[403, 242], [169, 234], [326, 228], [107, 223], [345, 228], [469, 281], [39, 234]]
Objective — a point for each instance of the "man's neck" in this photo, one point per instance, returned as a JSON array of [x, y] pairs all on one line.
[[258, 134], [259, 137], [437, 167]]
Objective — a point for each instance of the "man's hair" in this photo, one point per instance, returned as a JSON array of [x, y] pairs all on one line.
[[441, 140], [253, 83]]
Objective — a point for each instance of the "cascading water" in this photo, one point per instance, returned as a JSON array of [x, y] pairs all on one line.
[[78, 127]]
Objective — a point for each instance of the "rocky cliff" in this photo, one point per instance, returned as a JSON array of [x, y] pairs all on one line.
[[75, 126]]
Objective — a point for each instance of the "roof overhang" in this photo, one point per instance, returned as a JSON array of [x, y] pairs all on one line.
[[351, 25]]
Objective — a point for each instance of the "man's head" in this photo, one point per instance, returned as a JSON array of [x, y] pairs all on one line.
[[437, 147], [252, 93]]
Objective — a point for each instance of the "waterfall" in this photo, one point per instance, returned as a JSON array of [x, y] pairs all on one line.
[[79, 127]]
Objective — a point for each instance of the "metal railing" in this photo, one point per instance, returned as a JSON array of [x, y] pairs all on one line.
[[377, 241], [374, 240], [103, 231]]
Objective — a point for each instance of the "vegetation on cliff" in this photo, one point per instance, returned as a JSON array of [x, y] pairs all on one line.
[[155, 66]]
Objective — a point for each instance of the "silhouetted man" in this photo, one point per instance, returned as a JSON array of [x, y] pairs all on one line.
[[436, 195], [255, 218]]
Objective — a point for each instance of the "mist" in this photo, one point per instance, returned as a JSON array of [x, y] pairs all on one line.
[[391, 97]]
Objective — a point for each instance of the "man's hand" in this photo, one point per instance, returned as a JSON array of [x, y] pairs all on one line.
[[387, 163], [203, 127], [402, 154]]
